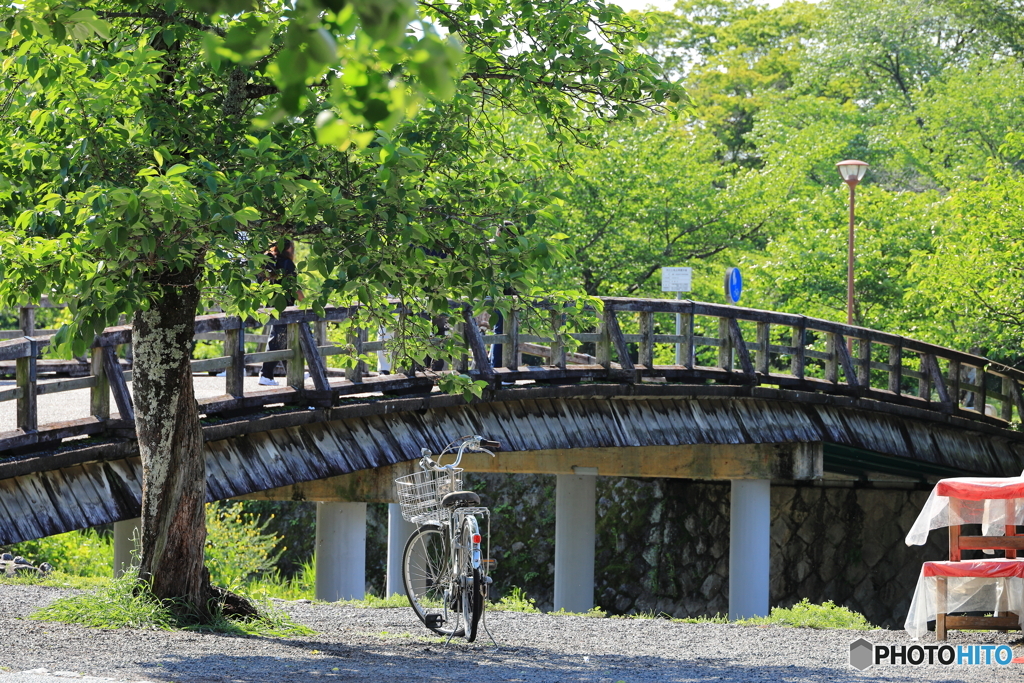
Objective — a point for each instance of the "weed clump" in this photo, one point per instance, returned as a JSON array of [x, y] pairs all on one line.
[[126, 602]]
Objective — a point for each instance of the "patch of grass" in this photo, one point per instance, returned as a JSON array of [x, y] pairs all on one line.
[[804, 614], [594, 612], [125, 603], [515, 601], [116, 605], [649, 614], [373, 602], [302, 586], [388, 635], [58, 579], [717, 619], [273, 622]]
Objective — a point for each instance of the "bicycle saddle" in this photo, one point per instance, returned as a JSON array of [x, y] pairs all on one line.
[[460, 499]]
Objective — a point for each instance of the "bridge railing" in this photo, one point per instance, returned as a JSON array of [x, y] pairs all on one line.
[[717, 343]]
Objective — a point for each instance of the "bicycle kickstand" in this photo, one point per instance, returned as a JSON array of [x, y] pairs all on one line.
[[483, 620]]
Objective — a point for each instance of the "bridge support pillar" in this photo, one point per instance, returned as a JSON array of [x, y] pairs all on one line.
[[749, 548], [399, 531], [125, 533], [340, 551], [575, 499]]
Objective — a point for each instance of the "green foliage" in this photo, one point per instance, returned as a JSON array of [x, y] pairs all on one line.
[[238, 548], [807, 615], [75, 553], [295, 522], [371, 601], [58, 579], [133, 160], [462, 384], [126, 603], [123, 603], [301, 586], [981, 296], [627, 209], [515, 601], [237, 545], [736, 57], [717, 619], [593, 612], [803, 614]]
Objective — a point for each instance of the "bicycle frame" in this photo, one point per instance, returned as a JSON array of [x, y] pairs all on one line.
[[433, 582]]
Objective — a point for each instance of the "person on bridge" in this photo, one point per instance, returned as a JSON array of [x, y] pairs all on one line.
[[281, 270]]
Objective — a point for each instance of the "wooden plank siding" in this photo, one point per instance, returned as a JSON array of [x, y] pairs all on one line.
[[622, 429]]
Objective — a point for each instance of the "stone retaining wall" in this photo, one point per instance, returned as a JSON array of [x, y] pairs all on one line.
[[663, 544]]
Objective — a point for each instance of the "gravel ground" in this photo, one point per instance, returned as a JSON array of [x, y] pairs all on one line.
[[353, 644]]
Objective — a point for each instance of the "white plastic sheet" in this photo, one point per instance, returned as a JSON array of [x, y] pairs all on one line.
[[993, 503], [985, 593]]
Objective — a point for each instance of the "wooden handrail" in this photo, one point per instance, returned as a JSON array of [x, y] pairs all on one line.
[[849, 362]]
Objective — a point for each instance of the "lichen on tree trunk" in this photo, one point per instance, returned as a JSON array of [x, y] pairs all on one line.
[[171, 445]]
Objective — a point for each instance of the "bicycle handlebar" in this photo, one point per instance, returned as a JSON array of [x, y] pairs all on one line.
[[473, 444]]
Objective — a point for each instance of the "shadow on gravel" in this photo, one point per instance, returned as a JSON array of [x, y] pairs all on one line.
[[418, 661]]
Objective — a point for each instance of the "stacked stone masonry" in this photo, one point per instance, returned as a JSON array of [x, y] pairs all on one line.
[[663, 545]]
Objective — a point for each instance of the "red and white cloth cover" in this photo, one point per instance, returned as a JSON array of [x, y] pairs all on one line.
[[993, 503], [995, 586]]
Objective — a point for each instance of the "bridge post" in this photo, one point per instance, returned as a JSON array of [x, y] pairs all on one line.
[[399, 531], [575, 536], [340, 551], [124, 543], [749, 548], [295, 368]]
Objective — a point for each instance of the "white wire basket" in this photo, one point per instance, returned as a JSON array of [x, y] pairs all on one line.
[[420, 494]]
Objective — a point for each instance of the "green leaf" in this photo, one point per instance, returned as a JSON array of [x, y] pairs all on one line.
[[177, 169], [244, 216], [323, 47]]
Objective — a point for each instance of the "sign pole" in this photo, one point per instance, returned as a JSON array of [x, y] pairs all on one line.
[[678, 280], [679, 331]]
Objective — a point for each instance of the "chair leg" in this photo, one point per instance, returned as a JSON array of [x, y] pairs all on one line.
[[940, 618]]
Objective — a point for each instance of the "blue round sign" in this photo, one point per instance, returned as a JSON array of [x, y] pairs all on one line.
[[733, 285]]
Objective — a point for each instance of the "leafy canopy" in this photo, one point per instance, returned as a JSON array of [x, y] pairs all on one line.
[[128, 162]]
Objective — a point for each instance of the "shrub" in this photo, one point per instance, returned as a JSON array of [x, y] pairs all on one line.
[[237, 545], [76, 553]]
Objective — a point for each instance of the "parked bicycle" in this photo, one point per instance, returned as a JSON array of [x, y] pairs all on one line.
[[447, 559]]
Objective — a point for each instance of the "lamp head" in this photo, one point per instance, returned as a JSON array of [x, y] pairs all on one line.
[[852, 171]]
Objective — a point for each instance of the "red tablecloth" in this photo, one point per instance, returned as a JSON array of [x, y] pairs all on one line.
[[981, 569]]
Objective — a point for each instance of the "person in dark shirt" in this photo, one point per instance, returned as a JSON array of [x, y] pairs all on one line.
[[281, 269]]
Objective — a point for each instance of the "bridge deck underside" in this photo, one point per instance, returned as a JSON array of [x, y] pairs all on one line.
[[98, 484]]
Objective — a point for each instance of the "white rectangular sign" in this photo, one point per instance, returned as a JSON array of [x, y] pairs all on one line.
[[676, 279]]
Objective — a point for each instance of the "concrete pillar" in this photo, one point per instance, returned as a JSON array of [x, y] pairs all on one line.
[[340, 551], [575, 499], [125, 534], [749, 548], [399, 531]]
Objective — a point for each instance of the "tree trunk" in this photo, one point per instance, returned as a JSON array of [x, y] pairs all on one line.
[[171, 445]]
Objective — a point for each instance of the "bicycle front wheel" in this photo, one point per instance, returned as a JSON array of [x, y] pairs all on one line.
[[430, 582]]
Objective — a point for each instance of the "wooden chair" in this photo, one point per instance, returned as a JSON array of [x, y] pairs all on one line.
[[1010, 543]]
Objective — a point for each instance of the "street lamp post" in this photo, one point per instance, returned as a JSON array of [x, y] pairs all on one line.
[[852, 172]]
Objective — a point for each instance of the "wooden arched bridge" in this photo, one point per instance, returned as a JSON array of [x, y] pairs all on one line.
[[754, 397]]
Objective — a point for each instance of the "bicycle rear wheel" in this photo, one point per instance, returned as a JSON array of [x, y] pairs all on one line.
[[430, 583], [470, 578]]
